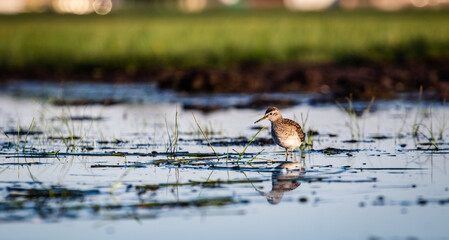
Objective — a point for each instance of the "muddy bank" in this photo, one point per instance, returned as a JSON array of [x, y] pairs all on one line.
[[330, 81]]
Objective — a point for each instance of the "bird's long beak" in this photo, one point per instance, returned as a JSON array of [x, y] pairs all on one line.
[[263, 118]]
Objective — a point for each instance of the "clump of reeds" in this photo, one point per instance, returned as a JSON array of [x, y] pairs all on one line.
[[207, 139], [426, 128], [19, 137], [308, 132], [442, 123], [172, 141], [240, 154], [246, 147], [419, 116], [26, 136], [355, 123]]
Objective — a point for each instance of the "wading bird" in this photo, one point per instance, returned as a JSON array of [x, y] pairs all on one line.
[[285, 132]]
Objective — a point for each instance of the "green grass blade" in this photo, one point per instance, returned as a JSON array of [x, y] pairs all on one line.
[[120, 179], [244, 150], [26, 137], [210, 145]]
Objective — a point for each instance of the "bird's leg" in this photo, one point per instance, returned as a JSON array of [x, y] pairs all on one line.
[[286, 151]]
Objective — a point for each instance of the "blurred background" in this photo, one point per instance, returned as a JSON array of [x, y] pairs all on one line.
[[334, 48], [106, 6]]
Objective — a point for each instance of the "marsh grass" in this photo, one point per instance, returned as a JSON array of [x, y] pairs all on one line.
[[172, 141], [355, 123], [6, 135], [18, 138], [68, 136], [442, 123], [240, 154], [426, 129], [419, 115], [204, 135], [430, 131], [70, 129], [221, 38], [73, 133], [119, 181], [209, 129], [401, 131], [246, 147], [26, 136], [308, 132], [255, 157]]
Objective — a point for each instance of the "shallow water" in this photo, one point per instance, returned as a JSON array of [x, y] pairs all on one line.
[[114, 171]]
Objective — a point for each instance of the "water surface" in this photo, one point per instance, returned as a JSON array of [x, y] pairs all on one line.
[[118, 170]]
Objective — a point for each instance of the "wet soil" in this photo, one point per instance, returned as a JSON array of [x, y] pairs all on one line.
[[330, 81]]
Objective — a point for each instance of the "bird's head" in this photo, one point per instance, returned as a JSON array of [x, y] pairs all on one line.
[[271, 114]]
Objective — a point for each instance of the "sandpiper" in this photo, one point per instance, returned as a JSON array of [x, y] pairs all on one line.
[[285, 132]]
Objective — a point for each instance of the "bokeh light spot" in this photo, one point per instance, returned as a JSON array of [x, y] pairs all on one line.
[[102, 7], [308, 5], [192, 6]]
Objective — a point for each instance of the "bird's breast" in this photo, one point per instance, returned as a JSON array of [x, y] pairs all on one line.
[[285, 137]]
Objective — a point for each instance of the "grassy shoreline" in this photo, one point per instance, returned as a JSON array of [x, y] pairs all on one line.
[[128, 42], [363, 53]]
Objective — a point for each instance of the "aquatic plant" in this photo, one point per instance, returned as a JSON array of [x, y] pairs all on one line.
[[172, 142], [308, 132], [18, 138], [6, 135], [240, 154], [442, 123], [67, 127], [429, 132], [255, 156], [227, 156], [402, 130], [119, 181], [249, 143], [26, 136], [209, 129], [207, 139], [64, 127], [419, 115], [70, 128], [353, 122]]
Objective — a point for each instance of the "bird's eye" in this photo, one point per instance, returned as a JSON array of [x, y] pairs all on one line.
[[271, 113]]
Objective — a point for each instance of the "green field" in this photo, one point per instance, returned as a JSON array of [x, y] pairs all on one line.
[[137, 40]]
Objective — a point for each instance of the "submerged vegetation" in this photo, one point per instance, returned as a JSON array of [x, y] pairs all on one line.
[[145, 162]]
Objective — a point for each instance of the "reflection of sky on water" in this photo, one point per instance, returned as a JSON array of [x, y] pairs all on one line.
[[385, 188]]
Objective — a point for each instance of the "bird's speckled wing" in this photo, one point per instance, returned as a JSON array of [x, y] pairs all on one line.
[[297, 127]]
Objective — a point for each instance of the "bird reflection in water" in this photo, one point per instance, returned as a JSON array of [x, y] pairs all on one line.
[[283, 179]]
